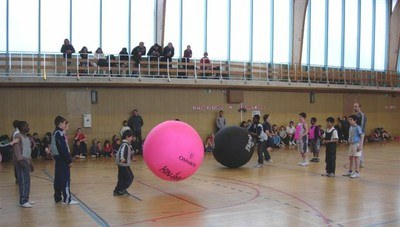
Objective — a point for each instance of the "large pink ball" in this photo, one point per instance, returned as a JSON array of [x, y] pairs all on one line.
[[173, 150]]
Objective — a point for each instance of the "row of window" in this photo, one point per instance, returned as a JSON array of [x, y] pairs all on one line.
[[237, 30]]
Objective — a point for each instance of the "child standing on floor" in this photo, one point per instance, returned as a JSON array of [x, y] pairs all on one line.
[[63, 162], [123, 160], [355, 147], [23, 164], [330, 140], [301, 136], [257, 132], [314, 135]]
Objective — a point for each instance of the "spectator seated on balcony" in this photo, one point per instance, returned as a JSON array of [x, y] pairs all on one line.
[[154, 52], [187, 54], [205, 65], [84, 59], [137, 53], [168, 53], [123, 61], [84, 56], [99, 58], [123, 57], [205, 60]]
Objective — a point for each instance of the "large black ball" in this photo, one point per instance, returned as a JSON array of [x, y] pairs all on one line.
[[233, 146]]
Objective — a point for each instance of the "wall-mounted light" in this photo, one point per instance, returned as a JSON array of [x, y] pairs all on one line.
[[93, 97], [312, 97]]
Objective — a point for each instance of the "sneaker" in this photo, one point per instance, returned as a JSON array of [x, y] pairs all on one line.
[[304, 164], [270, 161], [313, 159], [32, 202], [316, 160], [259, 165], [347, 174], [72, 202], [355, 175], [117, 193], [362, 165], [325, 174], [125, 192], [25, 205], [331, 175]]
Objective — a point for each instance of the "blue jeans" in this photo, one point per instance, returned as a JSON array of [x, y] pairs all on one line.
[[23, 170]]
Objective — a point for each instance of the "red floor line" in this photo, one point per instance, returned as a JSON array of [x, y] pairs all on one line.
[[277, 190]]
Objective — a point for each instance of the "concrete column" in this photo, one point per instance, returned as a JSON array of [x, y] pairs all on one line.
[[394, 37], [299, 16], [161, 6]]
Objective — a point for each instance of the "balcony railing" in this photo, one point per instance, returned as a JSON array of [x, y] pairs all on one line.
[[49, 65]]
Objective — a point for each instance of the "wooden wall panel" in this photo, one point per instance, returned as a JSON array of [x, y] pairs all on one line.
[[198, 107]]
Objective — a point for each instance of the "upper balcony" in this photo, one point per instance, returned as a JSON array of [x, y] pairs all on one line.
[[51, 69]]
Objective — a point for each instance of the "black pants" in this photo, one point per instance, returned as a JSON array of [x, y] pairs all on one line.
[[125, 178], [330, 160], [62, 179], [262, 150], [138, 135]]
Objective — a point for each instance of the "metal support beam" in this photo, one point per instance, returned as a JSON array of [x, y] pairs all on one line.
[[160, 21], [394, 38], [299, 17]]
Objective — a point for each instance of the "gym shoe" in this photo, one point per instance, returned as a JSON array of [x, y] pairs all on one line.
[[270, 161], [313, 159], [25, 205], [72, 202], [325, 174], [331, 175], [316, 160], [355, 175], [125, 192], [32, 202], [347, 174], [362, 165], [259, 165], [117, 193], [304, 164]]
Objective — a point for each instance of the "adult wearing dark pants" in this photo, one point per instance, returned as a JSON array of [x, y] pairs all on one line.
[[135, 123], [123, 159], [63, 161], [23, 164], [362, 122]]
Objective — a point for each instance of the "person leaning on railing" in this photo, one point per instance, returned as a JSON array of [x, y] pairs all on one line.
[[168, 53], [137, 53], [67, 49]]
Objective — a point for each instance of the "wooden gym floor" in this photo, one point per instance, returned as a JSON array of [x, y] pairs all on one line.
[[279, 194]]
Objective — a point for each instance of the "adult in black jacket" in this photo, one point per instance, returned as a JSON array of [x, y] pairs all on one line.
[[67, 49], [154, 52], [135, 122], [138, 52], [168, 52]]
